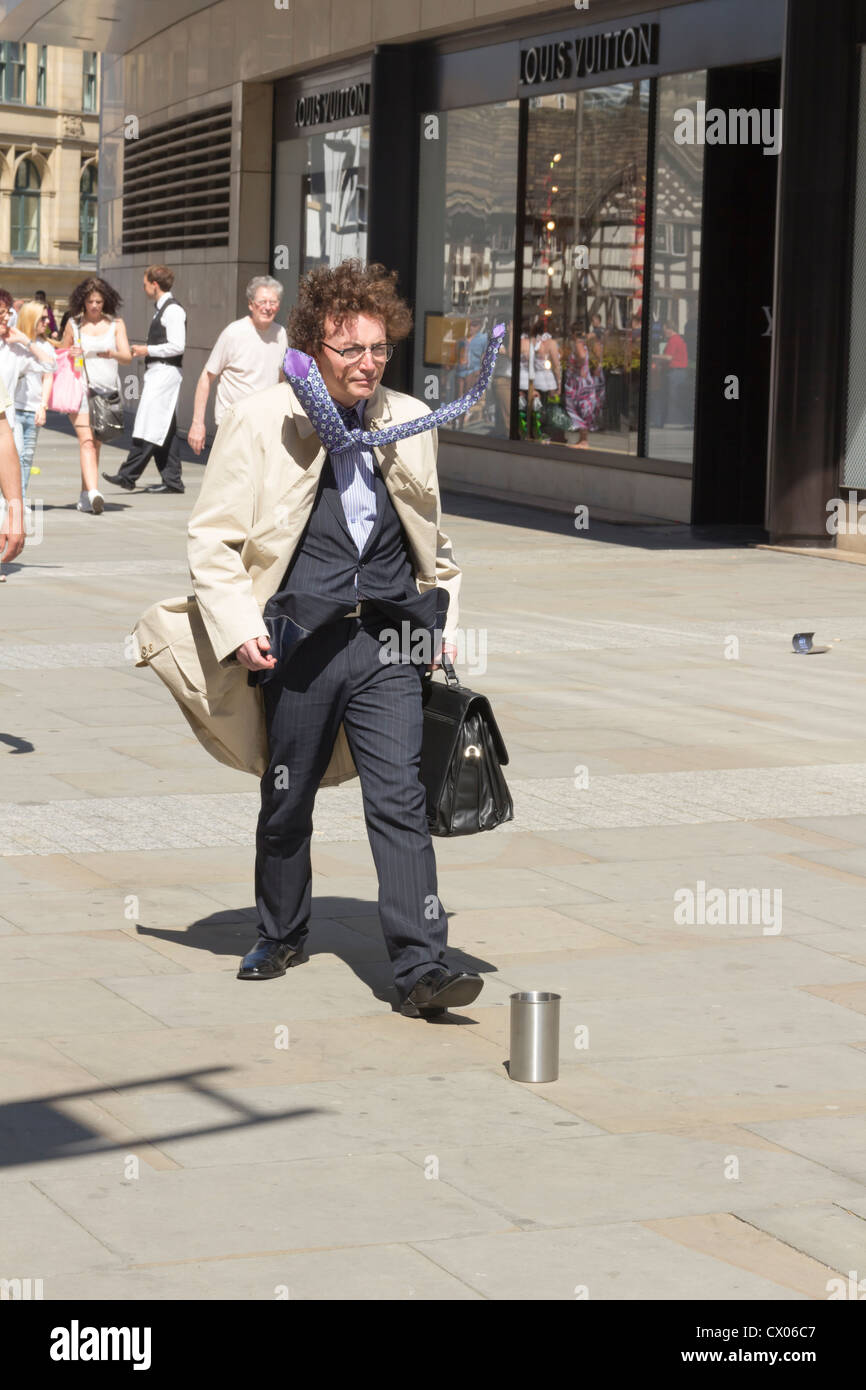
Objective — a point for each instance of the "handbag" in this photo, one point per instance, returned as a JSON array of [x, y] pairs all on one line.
[[462, 755], [103, 402], [66, 386], [554, 419]]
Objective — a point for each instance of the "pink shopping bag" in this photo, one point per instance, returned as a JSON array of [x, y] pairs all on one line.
[[66, 388]]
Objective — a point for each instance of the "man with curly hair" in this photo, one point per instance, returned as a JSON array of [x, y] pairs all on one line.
[[349, 541]]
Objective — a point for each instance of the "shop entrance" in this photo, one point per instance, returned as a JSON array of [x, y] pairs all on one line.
[[736, 309]]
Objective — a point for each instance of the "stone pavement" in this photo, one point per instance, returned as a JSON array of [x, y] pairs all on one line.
[[707, 1135]]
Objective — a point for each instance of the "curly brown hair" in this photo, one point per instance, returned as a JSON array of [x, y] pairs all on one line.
[[341, 293], [111, 300]]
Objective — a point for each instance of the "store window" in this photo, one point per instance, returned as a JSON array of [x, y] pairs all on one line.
[[854, 462], [12, 61], [593, 294], [676, 273], [583, 268], [41, 74], [335, 179], [25, 210], [87, 218], [466, 258], [88, 90]]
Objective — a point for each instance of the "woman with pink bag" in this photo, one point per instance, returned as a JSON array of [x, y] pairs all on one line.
[[93, 331]]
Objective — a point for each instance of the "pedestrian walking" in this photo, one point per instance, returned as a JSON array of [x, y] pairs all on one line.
[[17, 353], [246, 357], [52, 322], [99, 336], [11, 501], [154, 433], [348, 544], [34, 387]]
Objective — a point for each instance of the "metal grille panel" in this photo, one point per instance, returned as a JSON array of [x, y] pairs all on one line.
[[177, 185]]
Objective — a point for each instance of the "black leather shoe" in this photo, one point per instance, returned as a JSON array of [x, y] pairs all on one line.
[[119, 481], [439, 990], [163, 487], [268, 960]]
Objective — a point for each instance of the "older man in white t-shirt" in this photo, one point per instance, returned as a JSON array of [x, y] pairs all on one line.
[[247, 356]]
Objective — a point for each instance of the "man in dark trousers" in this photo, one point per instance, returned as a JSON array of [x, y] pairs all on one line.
[[351, 545], [154, 433]]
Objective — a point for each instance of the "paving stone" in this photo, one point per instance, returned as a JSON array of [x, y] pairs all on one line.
[[837, 1141], [741, 1244], [621, 1261], [299, 1206], [825, 1231], [366, 1274], [318, 1050], [39, 1240], [83, 956], [358, 1116], [630, 1177], [319, 988], [677, 1024], [39, 1010]]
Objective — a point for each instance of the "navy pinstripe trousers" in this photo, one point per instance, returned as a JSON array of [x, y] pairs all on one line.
[[336, 676]]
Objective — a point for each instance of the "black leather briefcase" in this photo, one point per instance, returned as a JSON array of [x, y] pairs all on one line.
[[462, 755]]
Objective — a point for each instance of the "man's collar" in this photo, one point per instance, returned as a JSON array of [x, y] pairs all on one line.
[[166, 294]]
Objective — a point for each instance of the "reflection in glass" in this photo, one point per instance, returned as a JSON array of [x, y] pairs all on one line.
[[334, 197], [465, 271], [676, 274], [583, 263]]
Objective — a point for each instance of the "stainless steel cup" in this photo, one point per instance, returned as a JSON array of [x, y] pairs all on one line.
[[534, 1036]]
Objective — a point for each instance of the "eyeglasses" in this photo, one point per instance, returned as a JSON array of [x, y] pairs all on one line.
[[380, 352], [266, 303]]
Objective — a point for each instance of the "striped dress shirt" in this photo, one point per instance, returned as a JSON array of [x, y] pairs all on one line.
[[353, 473]]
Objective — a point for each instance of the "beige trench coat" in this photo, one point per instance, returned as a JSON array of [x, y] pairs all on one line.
[[258, 491]]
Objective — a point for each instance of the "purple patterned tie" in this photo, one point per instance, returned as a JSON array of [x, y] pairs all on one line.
[[306, 381]]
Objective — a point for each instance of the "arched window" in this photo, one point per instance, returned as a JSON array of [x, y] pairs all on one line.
[[87, 220], [25, 210]]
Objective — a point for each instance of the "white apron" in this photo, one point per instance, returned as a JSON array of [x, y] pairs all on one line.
[[159, 392]]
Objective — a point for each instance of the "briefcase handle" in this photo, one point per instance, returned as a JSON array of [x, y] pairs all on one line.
[[451, 677], [450, 674]]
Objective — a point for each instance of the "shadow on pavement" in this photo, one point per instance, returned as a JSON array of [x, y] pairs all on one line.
[[233, 933], [34, 1131]]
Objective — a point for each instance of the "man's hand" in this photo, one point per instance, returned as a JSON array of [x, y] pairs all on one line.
[[255, 654], [12, 530], [138, 349], [39, 419], [195, 437], [449, 650]]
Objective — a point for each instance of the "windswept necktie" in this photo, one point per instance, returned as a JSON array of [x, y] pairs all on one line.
[[306, 381]]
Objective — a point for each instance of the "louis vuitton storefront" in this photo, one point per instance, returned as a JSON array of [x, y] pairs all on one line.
[[570, 183], [620, 194]]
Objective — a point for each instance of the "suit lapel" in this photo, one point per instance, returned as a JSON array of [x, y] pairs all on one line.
[[332, 496], [381, 493]]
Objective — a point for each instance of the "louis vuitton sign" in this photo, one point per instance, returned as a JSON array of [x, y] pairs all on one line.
[[632, 47], [319, 108]]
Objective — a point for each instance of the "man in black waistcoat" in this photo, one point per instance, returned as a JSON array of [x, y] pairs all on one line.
[[354, 623], [154, 433]]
